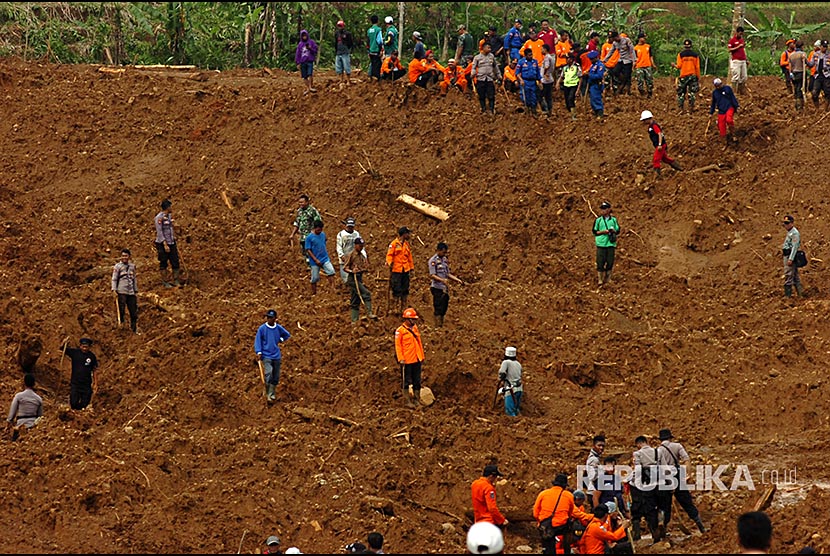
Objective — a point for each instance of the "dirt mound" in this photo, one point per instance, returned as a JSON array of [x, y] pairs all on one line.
[[179, 452]]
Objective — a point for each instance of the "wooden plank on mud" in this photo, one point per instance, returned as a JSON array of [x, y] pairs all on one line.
[[423, 207]]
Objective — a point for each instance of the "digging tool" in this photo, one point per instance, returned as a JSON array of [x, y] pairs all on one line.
[[63, 351], [496, 397], [628, 533], [117, 310], [262, 376], [676, 512]]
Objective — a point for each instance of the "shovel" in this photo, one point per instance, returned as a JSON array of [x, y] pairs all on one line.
[[262, 376]]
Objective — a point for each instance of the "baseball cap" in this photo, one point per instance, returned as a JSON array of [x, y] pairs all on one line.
[[787, 220], [593, 55], [388, 19], [605, 205], [272, 540], [416, 34], [462, 26], [85, 342], [293, 550], [341, 23], [350, 221], [717, 81], [485, 538], [823, 43], [359, 241], [271, 313], [519, 21], [403, 230], [817, 43], [451, 61], [356, 548], [491, 470]]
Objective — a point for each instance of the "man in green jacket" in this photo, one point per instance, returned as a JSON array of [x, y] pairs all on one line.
[[606, 229]]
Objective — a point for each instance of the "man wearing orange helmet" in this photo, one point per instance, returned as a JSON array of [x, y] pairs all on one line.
[[409, 350]]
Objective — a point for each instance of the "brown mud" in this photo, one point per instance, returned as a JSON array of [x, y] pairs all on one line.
[[179, 452]]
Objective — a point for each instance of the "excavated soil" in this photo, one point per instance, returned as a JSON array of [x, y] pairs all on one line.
[[179, 452]]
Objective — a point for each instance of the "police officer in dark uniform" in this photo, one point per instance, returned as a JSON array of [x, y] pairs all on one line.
[[84, 380]]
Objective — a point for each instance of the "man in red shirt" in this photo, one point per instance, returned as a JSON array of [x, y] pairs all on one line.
[[548, 35], [484, 497], [738, 65]]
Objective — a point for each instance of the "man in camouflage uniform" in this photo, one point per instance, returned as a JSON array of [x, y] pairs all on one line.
[[304, 222], [688, 62]]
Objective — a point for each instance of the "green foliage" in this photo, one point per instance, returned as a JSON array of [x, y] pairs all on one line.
[[773, 32], [212, 34]]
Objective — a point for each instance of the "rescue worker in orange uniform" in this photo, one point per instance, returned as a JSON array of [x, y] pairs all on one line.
[[553, 510], [562, 49], [391, 68], [400, 262], [409, 350], [534, 43], [484, 497], [454, 76], [599, 532], [510, 82], [784, 64], [611, 63]]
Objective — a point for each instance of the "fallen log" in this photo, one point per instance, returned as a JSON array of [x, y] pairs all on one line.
[[423, 207], [708, 168], [163, 66], [765, 499], [112, 71]]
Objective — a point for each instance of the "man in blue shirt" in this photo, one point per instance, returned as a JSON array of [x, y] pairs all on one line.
[[513, 40], [528, 74], [315, 247], [267, 348]]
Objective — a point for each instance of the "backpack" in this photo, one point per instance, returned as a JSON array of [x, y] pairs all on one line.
[[800, 259]]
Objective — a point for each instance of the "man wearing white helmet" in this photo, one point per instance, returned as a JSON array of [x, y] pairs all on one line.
[[661, 148], [485, 538], [510, 373]]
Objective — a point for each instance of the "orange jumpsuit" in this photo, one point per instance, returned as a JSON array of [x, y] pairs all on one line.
[[455, 73], [596, 535], [484, 502]]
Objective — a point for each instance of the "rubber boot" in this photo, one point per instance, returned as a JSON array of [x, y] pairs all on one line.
[[600, 276], [372, 314], [416, 400], [164, 281], [800, 289], [573, 115], [676, 166], [271, 390], [355, 315], [607, 276], [788, 291], [635, 530], [700, 526], [133, 325], [439, 321], [408, 398], [176, 278]]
